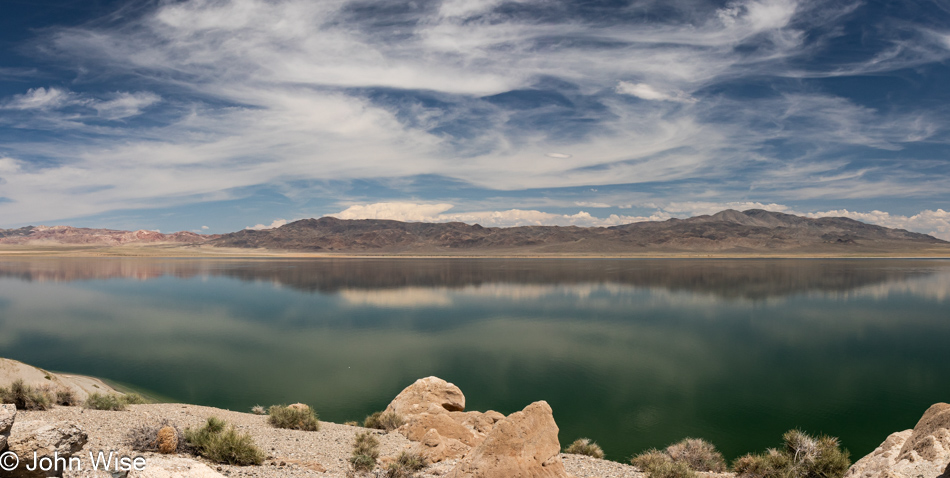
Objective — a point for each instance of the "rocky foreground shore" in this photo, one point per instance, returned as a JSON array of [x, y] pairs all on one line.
[[456, 443]]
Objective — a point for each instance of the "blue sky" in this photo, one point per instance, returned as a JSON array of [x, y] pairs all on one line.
[[215, 115]]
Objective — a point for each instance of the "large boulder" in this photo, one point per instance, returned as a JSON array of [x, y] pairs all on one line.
[[923, 451], [523, 445], [435, 448], [44, 439], [418, 425], [7, 416], [434, 404], [428, 395]]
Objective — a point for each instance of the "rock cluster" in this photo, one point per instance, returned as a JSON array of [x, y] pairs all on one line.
[[523, 445], [44, 439], [921, 452], [7, 416]]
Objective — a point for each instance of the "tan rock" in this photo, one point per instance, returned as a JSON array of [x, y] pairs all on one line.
[[7, 417], [418, 425], [300, 406], [931, 438], [479, 423], [435, 448], [923, 451], [428, 395], [523, 445], [45, 439], [173, 467], [167, 440]]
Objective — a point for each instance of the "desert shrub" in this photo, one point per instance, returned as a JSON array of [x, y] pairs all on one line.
[[352, 423], [365, 451], [294, 418], [111, 401], [405, 465], [25, 397], [802, 456], [145, 438], [258, 410], [133, 399], [671, 469], [584, 446], [681, 460], [387, 421], [65, 397], [223, 444], [104, 401], [698, 454]]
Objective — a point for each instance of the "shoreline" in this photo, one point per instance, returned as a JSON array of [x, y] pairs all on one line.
[[165, 251]]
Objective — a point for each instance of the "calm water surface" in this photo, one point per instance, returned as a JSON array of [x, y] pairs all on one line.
[[632, 353]]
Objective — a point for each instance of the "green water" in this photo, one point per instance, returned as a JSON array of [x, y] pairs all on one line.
[[632, 353]]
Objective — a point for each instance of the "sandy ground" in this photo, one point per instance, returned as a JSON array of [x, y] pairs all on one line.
[[81, 386], [291, 453]]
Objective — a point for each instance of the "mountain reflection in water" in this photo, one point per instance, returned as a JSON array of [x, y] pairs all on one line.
[[632, 353]]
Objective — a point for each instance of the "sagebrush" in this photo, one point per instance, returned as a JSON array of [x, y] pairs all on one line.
[[365, 451], [801, 456], [584, 446], [25, 397], [221, 443], [405, 465], [387, 421], [293, 417], [681, 460]]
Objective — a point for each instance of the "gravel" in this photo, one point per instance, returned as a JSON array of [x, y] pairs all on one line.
[[291, 453]]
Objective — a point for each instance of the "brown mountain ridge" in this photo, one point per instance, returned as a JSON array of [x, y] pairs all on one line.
[[729, 231], [733, 231]]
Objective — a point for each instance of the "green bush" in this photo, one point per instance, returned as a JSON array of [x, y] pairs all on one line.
[[405, 465], [223, 444], [65, 397], [293, 418], [104, 401], [671, 469], [584, 446], [698, 454], [681, 460], [365, 451], [659, 464], [133, 399], [25, 397], [111, 401], [802, 456], [387, 421]]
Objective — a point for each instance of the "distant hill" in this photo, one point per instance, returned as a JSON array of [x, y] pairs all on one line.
[[752, 231], [732, 231], [60, 235]]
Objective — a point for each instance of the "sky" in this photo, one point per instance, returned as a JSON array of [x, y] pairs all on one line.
[[217, 115]]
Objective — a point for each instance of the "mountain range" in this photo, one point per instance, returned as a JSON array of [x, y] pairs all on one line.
[[728, 231]]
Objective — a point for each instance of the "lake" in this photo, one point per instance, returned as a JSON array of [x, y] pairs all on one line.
[[631, 353]]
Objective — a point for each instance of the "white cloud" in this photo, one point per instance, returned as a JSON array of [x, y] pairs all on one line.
[[414, 212], [647, 92], [284, 68], [260, 227], [205, 228], [39, 99], [125, 104], [935, 223]]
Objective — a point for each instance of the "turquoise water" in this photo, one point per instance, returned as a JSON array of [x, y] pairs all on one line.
[[631, 353]]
